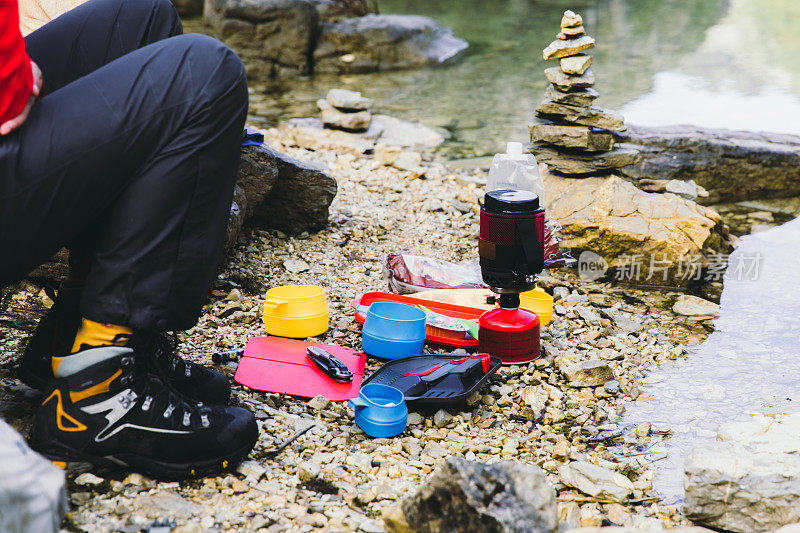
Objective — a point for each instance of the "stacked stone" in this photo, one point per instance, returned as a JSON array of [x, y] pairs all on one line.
[[576, 140], [345, 110]]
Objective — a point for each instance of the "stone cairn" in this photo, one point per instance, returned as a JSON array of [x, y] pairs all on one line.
[[576, 140], [345, 110]]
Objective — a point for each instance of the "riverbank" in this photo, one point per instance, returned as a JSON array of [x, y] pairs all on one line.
[[334, 477]]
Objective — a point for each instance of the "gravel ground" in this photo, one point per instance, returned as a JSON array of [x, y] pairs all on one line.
[[334, 477]]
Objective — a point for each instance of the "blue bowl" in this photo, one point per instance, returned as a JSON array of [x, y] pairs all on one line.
[[390, 348], [393, 330], [380, 410]]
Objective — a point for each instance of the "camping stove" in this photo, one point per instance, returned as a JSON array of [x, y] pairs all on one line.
[[511, 256]]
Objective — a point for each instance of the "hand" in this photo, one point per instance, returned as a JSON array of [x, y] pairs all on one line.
[[9, 126]]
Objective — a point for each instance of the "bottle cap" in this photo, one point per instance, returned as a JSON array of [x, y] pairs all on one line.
[[514, 149], [510, 201]]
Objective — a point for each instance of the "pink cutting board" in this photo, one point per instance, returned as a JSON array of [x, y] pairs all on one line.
[[275, 364]]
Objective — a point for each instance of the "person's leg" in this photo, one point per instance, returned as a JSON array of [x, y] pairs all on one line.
[[138, 159], [141, 155], [96, 33], [66, 49]]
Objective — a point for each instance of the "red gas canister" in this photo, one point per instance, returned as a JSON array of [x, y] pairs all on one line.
[[510, 334]]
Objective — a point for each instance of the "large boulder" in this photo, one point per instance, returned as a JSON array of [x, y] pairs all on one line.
[[274, 37], [731, 165], [643, 237], [749, 480], [466, 496], [384, 42], [294, 196]]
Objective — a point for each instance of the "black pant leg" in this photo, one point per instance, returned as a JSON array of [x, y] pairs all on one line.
[[95, 34], [142, 153]]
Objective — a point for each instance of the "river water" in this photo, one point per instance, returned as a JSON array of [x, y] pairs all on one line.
[[751, 358], [716, 63]]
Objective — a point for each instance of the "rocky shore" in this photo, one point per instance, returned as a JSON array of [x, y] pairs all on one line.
[[559, 413]]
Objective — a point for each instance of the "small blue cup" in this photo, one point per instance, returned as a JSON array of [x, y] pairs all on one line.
[[393, 330], [380, 410]]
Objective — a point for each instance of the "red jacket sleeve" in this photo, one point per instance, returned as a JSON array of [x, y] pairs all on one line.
[[16, 78]]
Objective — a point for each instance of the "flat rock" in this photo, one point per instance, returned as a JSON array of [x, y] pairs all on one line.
[[732, 165], [596, 481], [564, 48], [690, 305], [410, 135], [348, 100], [465, 495], [576, 64], [588, 373], [749, 479], [572, 32], [349, 121], [580, 98], [587, 116], [685, 189], [384, 42], [576, 164], [311, 134], [611, 217], [571, 19], [165, 504], [572, 136], [567, 82]]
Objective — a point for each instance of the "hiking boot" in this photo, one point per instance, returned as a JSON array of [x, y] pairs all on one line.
[[105, 408], [56, 331]]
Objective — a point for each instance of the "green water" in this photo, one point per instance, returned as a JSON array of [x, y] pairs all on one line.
[[719, 63]]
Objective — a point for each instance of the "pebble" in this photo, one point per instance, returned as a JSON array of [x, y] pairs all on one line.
[[611, 387], [588, 373], [295, 265], [318, 403], [307, 471], [689, 305], [87, 478], [415, 419], [442, 418], [251, 470], [643, 430], [230, 309]]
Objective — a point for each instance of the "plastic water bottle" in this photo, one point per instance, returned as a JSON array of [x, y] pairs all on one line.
[[515, 170]]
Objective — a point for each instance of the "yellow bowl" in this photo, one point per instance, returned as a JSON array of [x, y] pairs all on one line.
[[539, 302], [296, 311]]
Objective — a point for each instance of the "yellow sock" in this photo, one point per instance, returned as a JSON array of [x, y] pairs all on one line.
[[96, 334]]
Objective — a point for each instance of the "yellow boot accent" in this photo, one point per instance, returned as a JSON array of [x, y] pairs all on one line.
[[61, 415], [100, 388], [94, 333]]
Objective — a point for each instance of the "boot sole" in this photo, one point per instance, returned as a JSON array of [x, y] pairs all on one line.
[[156, 469]]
